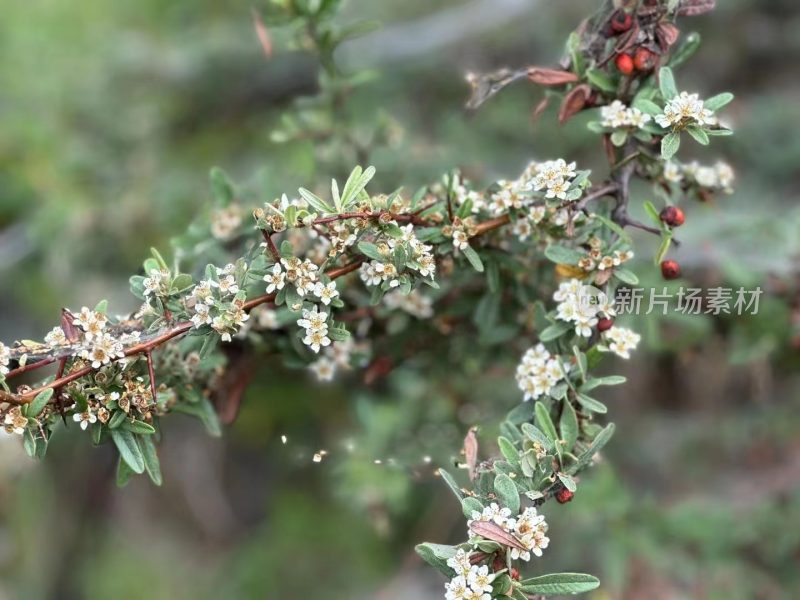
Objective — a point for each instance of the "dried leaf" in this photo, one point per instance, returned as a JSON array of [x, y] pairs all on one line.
[[263, 34], [544, 76], [574, 102], [692, 8], [486, 86], [667, 34], [492, 531], [539, 109], [471, 452], [70, 331]]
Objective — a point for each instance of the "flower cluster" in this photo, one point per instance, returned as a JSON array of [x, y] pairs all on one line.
[[621, 341], [415, 304], [419, 257], [338, 355], [617, 114], [15, 422], [685, 109], [5, 358], [538, 372], [225, 222], [219, 303], [602, 260], [719, 176], [529, 528], [554, 177], [581, 304], [316, 326], [471, 582], [99, 347]]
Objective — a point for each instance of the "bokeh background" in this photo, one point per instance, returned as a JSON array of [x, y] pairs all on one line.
[[112, 114]]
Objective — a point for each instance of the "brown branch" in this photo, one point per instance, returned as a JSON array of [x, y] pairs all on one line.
[[273, 249]]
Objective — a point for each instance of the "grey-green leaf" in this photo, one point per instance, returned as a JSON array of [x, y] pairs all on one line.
[[560, 583], [507, 493], [670, 145], [129, 449]]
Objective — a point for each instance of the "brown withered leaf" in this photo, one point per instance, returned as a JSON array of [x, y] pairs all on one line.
[[487, 85], [471, 452], [667, 34], [539, 109], [692, 8], [492, 531], [545, 76], [574, 102], [70, 331], [263, 34]]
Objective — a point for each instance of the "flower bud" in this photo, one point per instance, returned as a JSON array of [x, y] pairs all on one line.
[[670, 269], [672, 216], [625, 64], [514, 573]]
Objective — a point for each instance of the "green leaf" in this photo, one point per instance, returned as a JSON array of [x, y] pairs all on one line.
[[508, 450], [151, 462], [101, 307], [357, 181], [647, 106], [568, 425], [507, 493], [428, 553], [451, 483], [473, 258], [663, 248], [316, 202], [626, 276], [685, 50], [666, 82], [535, 434], [39, 402], [182, 282], [600, 440], [719, 101], [591, 404], [556, 330], [139, 427], [670, 145], [129, 449], [124, 473], [562, 255], [221, 187], [653, 213], [557, 584], [619, 137], [117, 419], [598, 381], [370, 250], [568, 481], [700, 136], [546, 423], [203, 410], [600, 80], [470, 505]]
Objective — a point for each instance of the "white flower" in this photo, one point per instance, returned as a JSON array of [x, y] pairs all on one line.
[[317, 338], [103, 349], [479, 579], [326, 293], [614, 114], [203, 292], [152, 284], [685, 109], [413, 303], [369, 275], [15, 421], [85, 418], [460, 563], [56, 337], [227, 285], [324, 369], [460, 239], [313, 320], [276, 279], [621, 341], [457, 588], [201, 315], [5, 358], [91, 322]]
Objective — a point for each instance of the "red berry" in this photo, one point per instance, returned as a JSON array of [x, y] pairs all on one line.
[[625, 64], [670, 269], [514, 573], [564, 495], [672, 216], [621, 21], [604, 325], [644, 60]]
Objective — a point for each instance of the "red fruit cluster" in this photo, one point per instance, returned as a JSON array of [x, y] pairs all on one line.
[[670, 269], [672, 216], [564, 495]]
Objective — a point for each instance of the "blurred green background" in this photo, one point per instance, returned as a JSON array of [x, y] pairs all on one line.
[[112, 114]]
